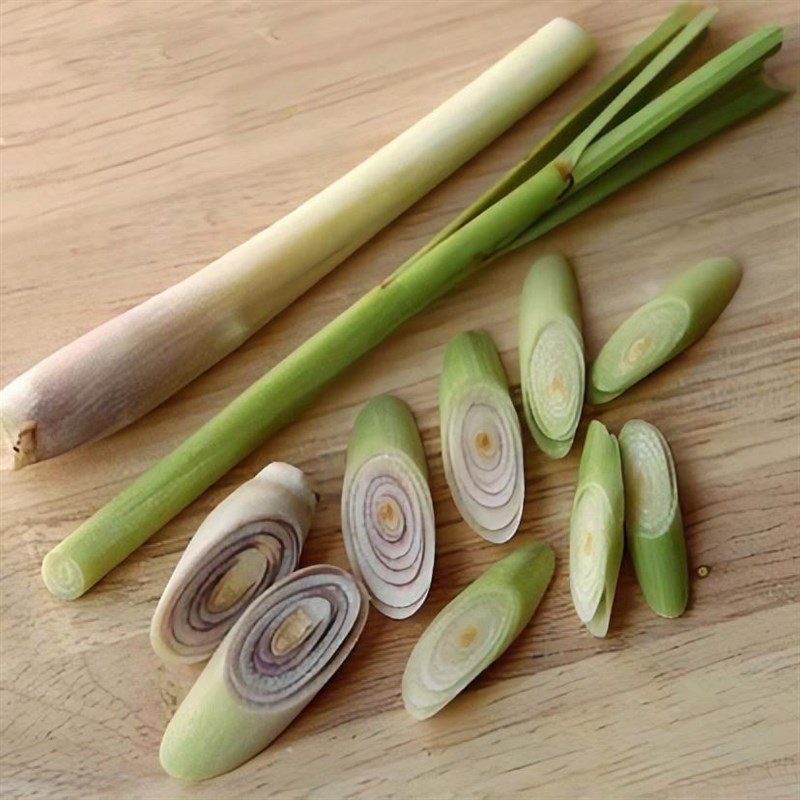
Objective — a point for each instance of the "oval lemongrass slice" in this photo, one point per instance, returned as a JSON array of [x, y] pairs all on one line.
[[481, 437], [475, 628], [596, 530], [387, 511], [272, 663], [664, 327], [249, 541], [552, 367], [653, 518]]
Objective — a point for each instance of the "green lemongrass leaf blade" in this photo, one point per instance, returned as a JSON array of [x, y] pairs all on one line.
[[678, 100], [387, 510], [481, 437], [744, 98], [664, 327], [671, 52], [475, 629], [596, 530], [654, 529], [552, 366], [574, 122]]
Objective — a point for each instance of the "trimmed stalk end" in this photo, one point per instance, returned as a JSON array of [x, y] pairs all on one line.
[[62, 575]]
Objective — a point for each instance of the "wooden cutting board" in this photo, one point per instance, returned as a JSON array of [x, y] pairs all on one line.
[[143, 138]]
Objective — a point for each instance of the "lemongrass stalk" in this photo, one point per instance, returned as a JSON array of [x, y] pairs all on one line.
[[387, 510], [664, 327], [552, 367], [653, 524], [127, 366], [278, 397], [475, 629], [252, 539], [275, 659], [481, 437], [596, 529]]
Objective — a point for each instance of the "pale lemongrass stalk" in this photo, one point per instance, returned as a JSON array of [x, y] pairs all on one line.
[[664, 327], [279, 397], [481, 437], [252, 539], [117, 372], [475, 629], [653, 524], [275, 659], [552, 367], [387, 511], [596, 530]]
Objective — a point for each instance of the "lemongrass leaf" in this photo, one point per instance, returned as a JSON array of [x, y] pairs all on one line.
[[552, 367], [475, 629], [387, 510], [653, 524]]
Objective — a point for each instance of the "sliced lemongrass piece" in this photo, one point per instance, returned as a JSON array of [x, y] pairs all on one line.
[[596, 530], [481, 437], [250, 540], [653, 521], [552, 367], [664, 327], [387, 511], [475, 629], [269, 667]]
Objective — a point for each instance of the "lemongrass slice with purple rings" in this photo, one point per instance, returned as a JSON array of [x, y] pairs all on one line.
[[481, 437], [275, 659], [250, 540], [387, 511]]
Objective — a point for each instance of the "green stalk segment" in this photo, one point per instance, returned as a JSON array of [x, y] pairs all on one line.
[[387, 510], [270, 666], [475, 629], [283, 393], [653, 518], [552, 367], [596, 530], [664, 327], [481, 437]]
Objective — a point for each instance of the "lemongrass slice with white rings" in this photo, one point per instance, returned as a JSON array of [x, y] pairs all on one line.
[[552, 366], [387, 510], [269, 667], [481, 437], [250, 540], [475, 629], [596, 530]]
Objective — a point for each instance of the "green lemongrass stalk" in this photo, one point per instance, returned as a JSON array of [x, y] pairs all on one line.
[[664, 327], [387, 511], [552, 368], [275, 659], [475, 629], [653, 524], [252, 539], [116, 373], [596, 530], [277, 398], [481, 437]]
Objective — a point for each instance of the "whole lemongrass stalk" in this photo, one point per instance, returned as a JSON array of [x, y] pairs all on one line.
[[475, 629], [664, 327], [387, 511], [653, 524], [481, 437], [596, 530], [272, 663], [116, 373], [552, 366], [250, 540], [278, 397]]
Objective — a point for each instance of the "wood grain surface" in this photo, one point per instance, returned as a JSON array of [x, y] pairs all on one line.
[[141, 139]]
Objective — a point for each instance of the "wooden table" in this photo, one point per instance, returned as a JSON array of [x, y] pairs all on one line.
[[143, 138]]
